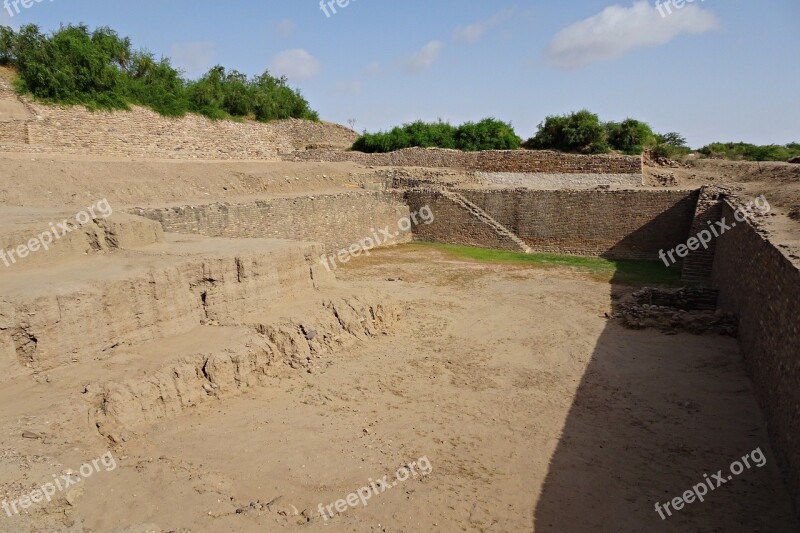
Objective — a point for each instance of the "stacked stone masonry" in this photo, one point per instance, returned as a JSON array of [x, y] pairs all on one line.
[[508, 161], [143, 133], [557, 180], [337, 221], [761, 285], [614, 224], [698, 265]]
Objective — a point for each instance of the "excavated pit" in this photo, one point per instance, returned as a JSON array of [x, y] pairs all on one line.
[[239, 383]]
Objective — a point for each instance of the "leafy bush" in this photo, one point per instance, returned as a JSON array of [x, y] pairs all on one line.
[[630, 136], [7, 46], [155, 84], [488, 134], [670, 145], [580, 132], [100, 70], [751, 152]]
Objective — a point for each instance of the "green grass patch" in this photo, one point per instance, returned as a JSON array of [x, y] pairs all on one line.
[[608, 270]]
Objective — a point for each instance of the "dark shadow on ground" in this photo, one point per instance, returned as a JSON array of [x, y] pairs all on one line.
[[653, 414]]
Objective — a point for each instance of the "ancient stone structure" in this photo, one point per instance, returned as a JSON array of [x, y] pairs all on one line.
[[123, 282], [532, 161], [144, 133], [761, 285], [614, 224], [698, 265], [335, 220]]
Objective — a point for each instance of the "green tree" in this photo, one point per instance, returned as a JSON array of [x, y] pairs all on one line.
[[630, 136], [579, 132], [99, 69], [672, 139], [8, 46], [156, 84], [488, 134]]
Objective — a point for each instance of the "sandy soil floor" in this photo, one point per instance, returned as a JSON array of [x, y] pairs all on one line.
[[531, 410], [64, 181]]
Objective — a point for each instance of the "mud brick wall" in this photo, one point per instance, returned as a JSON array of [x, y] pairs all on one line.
[[762, 286], [503, 161], [337, 221], [615, 224]]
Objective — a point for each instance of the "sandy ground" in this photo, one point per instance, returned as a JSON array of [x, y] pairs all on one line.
[[533, 411], [779, 182]]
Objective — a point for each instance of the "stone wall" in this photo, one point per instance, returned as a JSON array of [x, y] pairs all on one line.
[[761, 285], [513, 161], [144, 133], [698, 265], [615, 224], [336, 220], [13, 132], [557, 180]]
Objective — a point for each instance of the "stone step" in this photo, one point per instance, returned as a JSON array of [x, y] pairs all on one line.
[[483, 216]]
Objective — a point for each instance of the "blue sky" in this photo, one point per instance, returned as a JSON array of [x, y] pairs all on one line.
[[712, 69]]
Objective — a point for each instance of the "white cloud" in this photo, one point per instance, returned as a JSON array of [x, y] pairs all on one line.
[[194, 58], [618, 29], [296, 64], [424, 58], [472, 33], [286, 28]]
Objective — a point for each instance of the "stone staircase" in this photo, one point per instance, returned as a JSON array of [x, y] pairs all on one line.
[[484, 217], [697, 268]]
